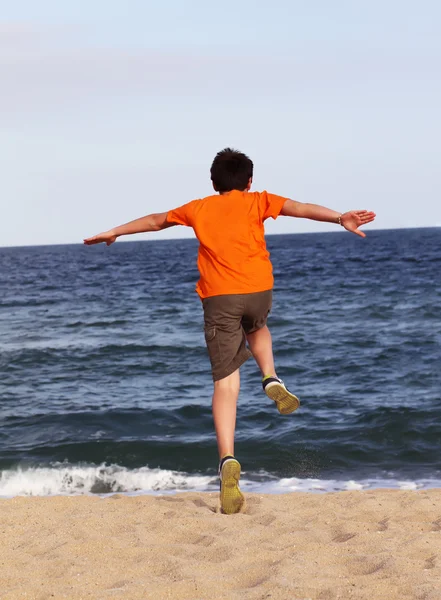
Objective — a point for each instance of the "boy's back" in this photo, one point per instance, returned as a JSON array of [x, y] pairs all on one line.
[[233, 258]]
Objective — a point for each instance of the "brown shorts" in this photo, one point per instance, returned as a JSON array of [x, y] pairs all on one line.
[[227, 320]]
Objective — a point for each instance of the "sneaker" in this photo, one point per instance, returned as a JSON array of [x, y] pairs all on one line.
[[231, 498], [275, 389]]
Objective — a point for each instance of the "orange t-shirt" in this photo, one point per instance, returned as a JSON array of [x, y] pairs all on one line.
[[232, 258]]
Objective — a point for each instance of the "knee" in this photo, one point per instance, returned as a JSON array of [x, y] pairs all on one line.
[[230, 383]]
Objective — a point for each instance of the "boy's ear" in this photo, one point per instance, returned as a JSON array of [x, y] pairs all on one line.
[[250, 181], [214, 186]]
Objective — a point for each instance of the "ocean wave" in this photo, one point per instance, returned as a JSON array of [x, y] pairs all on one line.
[[67, 479], [104, 480]]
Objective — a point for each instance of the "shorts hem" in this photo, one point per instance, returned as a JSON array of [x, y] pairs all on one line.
[[235, 364], [257, 327]]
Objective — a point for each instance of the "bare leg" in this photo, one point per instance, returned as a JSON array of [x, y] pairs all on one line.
[[226, 392], [261, 345]]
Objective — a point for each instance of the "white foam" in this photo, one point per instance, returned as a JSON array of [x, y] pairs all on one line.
[[295, 484], [353, 485], [408, 485], [67, 479]]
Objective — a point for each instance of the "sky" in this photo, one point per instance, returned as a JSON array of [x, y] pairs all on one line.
[[111, 110]]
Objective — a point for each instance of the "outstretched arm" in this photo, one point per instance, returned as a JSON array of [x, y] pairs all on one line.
[[154, 222], [351, 220]]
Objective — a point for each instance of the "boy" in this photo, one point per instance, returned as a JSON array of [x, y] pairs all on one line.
[[235, 287]]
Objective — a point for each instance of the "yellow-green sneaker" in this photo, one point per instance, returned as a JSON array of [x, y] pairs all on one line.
[[231, 498], [275, 389]]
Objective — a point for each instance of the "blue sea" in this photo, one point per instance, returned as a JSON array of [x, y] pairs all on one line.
[[105, 383]]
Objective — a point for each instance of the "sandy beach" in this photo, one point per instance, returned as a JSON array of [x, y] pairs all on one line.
[[380, 544]]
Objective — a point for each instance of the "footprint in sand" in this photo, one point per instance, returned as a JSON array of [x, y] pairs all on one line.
[[436, 525], [118, 585], [266, 520], [430, 563], [217, 554], [204, 540], [383, 525], [202, 504], [366, 565], [343, 537], [172, 499]]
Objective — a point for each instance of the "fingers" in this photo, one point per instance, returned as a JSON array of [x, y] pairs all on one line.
[[365, 214], [92, 240], [98, 239], [360, 233], [362, 217]]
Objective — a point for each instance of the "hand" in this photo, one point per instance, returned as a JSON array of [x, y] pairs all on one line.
[[354, 219], [108, 237]]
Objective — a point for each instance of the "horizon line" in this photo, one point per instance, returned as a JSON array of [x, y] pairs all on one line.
[[168, 239]]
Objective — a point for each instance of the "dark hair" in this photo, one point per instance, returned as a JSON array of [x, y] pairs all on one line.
[[231, 170]]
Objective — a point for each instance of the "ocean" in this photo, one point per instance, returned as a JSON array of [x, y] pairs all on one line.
[[105, 383]]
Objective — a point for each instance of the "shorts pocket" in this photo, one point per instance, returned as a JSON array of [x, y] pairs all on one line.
[[210, 333], [213, 347]]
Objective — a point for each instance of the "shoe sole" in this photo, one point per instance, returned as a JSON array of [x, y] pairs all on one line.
[[231, 497], [286, 402]]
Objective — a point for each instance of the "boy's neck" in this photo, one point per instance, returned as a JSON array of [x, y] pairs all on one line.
[[231, 191]]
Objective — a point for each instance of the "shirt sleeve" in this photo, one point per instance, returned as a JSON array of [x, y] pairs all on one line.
[[184, 215], [271, 205]]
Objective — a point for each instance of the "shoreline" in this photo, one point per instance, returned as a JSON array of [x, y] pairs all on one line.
[[105, 480], [371, 544]]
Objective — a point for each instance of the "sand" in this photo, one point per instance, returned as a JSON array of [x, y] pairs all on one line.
[[380, 544]]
